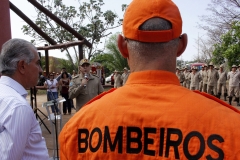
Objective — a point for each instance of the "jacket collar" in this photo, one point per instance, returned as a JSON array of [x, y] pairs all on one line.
[[152, 77]]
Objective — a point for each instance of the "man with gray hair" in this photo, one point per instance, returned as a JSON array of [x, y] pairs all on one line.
[[20, 133]]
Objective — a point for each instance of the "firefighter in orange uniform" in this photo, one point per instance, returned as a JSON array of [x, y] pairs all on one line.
[[152, 117]]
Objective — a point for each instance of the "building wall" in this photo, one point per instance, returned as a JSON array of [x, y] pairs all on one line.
[[54, 64], [5, 27]]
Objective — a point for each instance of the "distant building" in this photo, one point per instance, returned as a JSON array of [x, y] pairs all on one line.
[[54, 64]]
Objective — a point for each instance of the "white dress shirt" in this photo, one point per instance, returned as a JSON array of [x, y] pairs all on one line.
[[20, 133]]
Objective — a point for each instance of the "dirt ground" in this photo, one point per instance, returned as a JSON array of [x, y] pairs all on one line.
[[42, 113]]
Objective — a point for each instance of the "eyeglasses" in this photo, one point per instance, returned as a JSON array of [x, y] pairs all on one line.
[[51, 75]]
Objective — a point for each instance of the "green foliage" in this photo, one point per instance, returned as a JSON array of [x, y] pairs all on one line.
[[67, 65], [218, 57], [112, 59], [88, 19], [63, 63], [100, 21], [229, 49]]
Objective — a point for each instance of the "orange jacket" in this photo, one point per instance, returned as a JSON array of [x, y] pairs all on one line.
[[152, 117]]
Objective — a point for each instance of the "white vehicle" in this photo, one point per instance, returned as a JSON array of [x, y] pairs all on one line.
[[108, 79]]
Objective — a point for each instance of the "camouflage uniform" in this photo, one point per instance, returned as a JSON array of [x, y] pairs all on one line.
[[234, 80], [180, 76], [117, 80], [195, 79], [204, 80], [84, 93], [201, 82], [124, 76], [221, 85], [212, 81]]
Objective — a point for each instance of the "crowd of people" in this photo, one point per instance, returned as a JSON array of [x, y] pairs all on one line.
[[65, 84], [212, 80], [57, 84]]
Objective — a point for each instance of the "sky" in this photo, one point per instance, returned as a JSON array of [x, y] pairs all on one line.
[[190, 12]]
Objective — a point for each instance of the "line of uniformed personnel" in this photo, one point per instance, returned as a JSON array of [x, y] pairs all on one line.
[[212, 80], [120, 79]]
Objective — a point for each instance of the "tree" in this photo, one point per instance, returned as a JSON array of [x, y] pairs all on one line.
[[205, 49], [229, 49], [112, 58], [63, 63], [66, 63], [89, 20], [218, 23], [223, 13]]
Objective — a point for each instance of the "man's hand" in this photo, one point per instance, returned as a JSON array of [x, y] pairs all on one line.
[[84, 82]]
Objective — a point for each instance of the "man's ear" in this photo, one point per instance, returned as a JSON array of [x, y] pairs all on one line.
[[21, 66], [182, 44], [122, 46]]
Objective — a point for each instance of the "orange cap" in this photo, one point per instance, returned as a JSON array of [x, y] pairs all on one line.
[[140, 11]]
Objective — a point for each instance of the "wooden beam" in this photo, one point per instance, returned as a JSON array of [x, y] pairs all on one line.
[[61, 46], [30, 22], [46, 61], [80, 52], [60, 22]]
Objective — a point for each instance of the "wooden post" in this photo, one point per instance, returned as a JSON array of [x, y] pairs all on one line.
[[30, 23], [46, 61], [59, 21], [5, 26], [80, 52]]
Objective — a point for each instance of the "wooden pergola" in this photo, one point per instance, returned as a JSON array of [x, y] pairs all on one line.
[[5, 30]]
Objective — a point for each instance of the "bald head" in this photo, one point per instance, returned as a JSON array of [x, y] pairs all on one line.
[[160, 55]]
